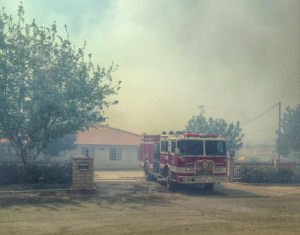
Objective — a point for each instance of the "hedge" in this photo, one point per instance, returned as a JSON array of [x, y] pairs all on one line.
[[269, 174], [33, 174]]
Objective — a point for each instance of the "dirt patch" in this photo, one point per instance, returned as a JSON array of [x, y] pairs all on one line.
[[124, 203], [123, 175]]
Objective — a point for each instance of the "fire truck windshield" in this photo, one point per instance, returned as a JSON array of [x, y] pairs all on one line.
[[214, 147], [195, 147], [190, 147]]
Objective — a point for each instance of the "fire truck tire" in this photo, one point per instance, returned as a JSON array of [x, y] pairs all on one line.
[[171, 185], [149, 176], [209, 186]]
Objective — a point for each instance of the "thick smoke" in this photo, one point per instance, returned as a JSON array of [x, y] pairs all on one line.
[[238, 58]]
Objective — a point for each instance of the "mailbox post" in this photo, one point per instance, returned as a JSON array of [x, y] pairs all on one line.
[[82, 173]]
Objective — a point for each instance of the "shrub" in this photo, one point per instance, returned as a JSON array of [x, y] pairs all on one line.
[[269, 174], [33, 174]]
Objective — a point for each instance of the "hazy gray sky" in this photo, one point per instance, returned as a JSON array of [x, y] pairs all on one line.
[[238, 58]]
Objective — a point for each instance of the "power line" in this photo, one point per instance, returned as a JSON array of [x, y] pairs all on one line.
[[260, 115], [260, 135], [260, 130], [259, 127]]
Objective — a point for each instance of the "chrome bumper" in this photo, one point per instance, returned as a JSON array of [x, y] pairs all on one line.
[[203, 179]]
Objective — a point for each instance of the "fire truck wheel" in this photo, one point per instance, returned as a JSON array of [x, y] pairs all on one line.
[[171, 185], [209, 186]]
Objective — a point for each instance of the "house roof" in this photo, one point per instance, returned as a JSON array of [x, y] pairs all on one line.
[[105, 135], [3, 140]]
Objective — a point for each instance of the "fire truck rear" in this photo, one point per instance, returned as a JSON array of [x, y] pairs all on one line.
[[185, 158]]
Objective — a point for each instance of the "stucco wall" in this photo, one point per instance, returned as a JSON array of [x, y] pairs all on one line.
[[102, 156]]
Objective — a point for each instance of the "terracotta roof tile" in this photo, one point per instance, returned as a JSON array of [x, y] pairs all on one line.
[[104, 135], [3, 140]]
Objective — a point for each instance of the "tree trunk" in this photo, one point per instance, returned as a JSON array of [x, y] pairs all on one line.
[[23, 155]]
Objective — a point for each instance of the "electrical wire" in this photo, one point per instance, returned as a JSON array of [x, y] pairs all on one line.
[[259, 130], [258, 116]]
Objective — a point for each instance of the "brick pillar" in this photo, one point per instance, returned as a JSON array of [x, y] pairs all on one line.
[[82, 173]]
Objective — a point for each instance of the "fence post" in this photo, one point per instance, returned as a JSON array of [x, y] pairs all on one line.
[[231, 169], [277, 163]]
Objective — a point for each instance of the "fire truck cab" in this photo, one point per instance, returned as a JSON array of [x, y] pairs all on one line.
[[185, 158]]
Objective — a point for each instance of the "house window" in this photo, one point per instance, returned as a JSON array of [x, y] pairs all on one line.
[[115, 154], [5, 150], [8, 150], [90, 151]]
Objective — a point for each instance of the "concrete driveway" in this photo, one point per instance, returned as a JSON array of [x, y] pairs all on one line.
[[119, 175]]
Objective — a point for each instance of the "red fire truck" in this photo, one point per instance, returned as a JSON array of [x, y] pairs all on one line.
[[185, 158]]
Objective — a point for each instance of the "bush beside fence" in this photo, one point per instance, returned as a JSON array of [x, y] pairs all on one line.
[[54, 173], [269, 174]]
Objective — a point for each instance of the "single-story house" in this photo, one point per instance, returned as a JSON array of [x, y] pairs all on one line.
[[110, 147]]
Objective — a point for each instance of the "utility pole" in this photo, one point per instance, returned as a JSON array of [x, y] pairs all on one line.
[[201, 107], [279, 129]]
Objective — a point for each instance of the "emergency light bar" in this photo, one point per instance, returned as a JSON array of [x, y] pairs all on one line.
[[187, 135], [191, 135]]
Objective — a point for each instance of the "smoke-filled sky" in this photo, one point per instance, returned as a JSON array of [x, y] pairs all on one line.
[[238, 58]]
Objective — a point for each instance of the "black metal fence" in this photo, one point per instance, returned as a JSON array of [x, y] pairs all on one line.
[[272, 163], [19, 162]]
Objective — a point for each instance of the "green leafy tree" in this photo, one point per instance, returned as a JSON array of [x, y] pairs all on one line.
[[48, 88], [54, 147], [289, 138], [231, 131]]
